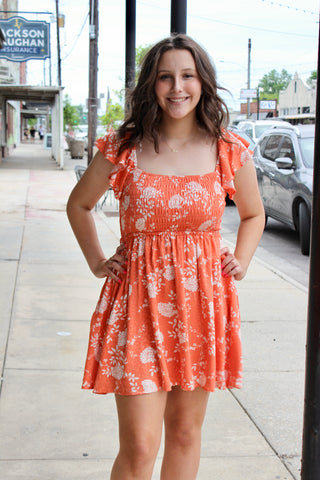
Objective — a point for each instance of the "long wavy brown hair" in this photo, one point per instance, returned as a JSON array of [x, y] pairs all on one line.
[[144, 115]]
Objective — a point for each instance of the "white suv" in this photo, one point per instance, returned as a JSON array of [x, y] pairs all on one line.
[[255, 128]]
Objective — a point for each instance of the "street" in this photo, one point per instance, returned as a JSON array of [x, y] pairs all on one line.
[[279, 246]]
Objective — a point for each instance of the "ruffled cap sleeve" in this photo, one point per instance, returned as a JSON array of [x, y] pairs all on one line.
[[123, 164], [232, 156]]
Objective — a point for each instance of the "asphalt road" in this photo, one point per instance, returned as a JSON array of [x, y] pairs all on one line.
[[279, 246]]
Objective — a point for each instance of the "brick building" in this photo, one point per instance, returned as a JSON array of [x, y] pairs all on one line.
[[267, 109]]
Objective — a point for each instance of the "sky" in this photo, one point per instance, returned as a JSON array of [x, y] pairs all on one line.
[[283, 33]]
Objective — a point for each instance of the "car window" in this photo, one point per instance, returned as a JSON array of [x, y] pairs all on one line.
[[260, 129], [262, 145], [307, 150], [249, 130], [272, 147], [286, 149]]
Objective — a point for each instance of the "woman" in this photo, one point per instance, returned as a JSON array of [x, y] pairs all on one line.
[[166, 328]]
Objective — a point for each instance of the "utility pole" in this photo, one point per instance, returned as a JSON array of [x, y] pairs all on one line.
[[248, 83], [311, 425], [58, 44], [178, 16], [130, 47], [93, 75]]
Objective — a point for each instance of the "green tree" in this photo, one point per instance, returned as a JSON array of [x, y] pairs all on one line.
[[114, 113], [32, 122], [273, 82], [70, 113], [313, 76], [83, 114], [140, 54]]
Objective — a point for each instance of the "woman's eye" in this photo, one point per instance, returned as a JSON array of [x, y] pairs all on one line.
[[188, 75], [164, 76]]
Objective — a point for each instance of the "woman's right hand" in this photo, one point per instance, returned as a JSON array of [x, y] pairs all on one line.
[[114, 267]]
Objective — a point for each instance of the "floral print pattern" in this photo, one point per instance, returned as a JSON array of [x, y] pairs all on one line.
[[174, 319]]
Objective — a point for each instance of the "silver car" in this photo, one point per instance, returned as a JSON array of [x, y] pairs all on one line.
[[256, 128], [284, 164]]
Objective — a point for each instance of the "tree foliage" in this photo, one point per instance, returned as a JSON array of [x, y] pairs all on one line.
[[32, 122], [71, 115], [140, 54], [114, 113], [273, 82], [313, 76]]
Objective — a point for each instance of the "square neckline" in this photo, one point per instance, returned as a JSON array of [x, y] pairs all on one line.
[[195, 175]]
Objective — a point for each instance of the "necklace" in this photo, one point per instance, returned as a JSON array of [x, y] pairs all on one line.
[[175, 150]]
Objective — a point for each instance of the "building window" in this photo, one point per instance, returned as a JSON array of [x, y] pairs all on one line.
[[299, 110], [295, 87], [305, 109]]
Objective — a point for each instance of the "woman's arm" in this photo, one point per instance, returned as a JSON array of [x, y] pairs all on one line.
[[252, 221], [87, 192]]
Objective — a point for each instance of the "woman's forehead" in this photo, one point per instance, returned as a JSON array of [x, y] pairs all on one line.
[[176, 58]]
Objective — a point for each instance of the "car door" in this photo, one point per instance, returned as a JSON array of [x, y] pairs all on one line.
[[268, 171], [283, 180]]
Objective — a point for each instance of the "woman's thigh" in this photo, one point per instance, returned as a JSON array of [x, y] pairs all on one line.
[[141, 417], [186, 410]]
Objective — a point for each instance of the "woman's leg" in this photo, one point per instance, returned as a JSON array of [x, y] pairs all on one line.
[[140, 428], [184, 415]]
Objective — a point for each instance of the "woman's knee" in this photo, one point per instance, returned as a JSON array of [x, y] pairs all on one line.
[[183, 434], [140, 426], [140, 449]]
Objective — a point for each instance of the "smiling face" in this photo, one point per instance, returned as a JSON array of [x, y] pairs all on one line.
[[178, 86]]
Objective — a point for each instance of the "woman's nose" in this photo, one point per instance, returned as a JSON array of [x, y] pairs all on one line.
[[177, 84]]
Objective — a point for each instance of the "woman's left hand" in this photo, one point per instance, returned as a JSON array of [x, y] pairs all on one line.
[[230, 266]]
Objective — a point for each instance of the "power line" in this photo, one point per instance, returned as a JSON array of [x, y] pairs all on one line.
[[303, 10], [239, 25], [77, 38], [253, 28]]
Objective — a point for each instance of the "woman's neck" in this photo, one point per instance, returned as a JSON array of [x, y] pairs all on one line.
[[178, 129]]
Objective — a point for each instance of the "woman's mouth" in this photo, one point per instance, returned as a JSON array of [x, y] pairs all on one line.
[[177, 100]]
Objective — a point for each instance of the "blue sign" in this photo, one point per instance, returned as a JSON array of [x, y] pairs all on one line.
[[25, 40]]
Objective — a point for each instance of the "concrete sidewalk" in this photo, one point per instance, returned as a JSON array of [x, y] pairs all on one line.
[[50, 428]]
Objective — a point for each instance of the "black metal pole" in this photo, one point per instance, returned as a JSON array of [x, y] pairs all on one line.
[[93, 75], [178, 16], [311, 428], [130, 45]]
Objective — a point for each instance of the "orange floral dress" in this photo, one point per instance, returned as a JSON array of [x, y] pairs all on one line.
[[174, 319]]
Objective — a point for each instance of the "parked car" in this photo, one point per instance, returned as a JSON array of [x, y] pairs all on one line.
[[251, 146], [284, 164], [255, 128], [244, 135]]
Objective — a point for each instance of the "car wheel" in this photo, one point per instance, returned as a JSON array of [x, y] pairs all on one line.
[[304, 228]]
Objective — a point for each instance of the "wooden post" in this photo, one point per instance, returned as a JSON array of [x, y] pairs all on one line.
[[58, 43], [93, 76]]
